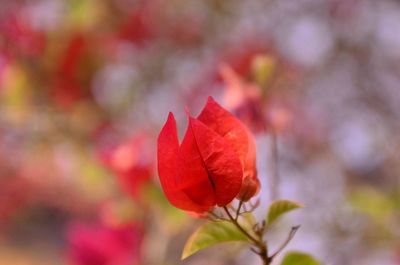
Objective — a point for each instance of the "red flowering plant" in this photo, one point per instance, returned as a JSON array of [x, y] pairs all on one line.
[[213, 165], [103, 244], [259, 98]]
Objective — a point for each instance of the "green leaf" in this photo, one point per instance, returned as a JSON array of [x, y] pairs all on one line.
[[279, 208], [210, 234], [299, 258], [247, 220]]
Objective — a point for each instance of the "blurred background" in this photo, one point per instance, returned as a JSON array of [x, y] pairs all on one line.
[[85, 87]]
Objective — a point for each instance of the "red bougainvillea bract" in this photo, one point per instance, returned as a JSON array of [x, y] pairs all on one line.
[[214, 163]]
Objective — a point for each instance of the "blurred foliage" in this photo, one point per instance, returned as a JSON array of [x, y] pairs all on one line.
[[298, 258]]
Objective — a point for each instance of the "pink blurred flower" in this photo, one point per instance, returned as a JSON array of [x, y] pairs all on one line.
[[20, 38], [260, 111], [5, 62], [100, 244], [276, 112], [240, 56], [243, 98], [151, 20], [132, 161]]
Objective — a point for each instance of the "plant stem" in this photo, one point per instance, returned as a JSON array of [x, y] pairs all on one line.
[[275, 166], [235, 222], [259, 243], [238, 209], [284, 244]]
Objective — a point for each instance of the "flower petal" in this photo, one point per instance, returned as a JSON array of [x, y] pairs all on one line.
[[249, 167], [237, 135], [192, 175], [221, 161], [251, 184], [167, 155], [226, 125]]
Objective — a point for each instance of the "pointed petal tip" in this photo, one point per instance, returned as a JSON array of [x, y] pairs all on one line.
[[212, 103], [169, 126], [170, 116], [170, 120], [210, 99]]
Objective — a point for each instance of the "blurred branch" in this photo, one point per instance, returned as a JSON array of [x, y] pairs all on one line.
[[275, 178]]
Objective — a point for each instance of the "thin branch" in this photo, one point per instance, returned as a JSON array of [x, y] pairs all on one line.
[[238, 209], [286, 242], [275, 166], [255, 205], [235, 222], [255, 251], [243, 212], [261, 245], [216, 217]]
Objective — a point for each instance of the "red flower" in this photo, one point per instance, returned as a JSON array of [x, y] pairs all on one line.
[[209, 166], [18, 36], [104, 245], [70, 82], [132, 162]]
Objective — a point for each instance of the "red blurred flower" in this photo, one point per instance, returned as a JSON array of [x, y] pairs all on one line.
[[132, 162], [241, 55], [104, 245], [69, 87], [137, 28], [245, 100], [215, 157], [15, 193]]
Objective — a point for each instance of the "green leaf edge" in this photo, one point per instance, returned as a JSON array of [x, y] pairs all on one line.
[[188, 251], [289, 206], [310, 260]]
